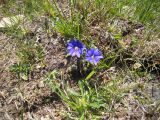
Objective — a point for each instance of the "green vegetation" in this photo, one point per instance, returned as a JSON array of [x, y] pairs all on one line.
[[125, 31]]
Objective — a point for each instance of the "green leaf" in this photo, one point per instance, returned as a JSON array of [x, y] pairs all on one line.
[[72, 92], [90, 75], [82, 117], [24, 76]]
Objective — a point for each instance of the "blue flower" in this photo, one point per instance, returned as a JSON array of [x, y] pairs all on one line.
[[93, 56], [75, 48]]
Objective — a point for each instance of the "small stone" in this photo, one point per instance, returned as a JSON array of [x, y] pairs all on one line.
[[10, 21], [45, 117], [41, 84]]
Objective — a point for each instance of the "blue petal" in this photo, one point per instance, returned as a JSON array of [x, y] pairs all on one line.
[[80, 51], [98, 57], [74, 53], [77, 54], [71, 51], [91, 60], [97, 52], [90, 52], [94, 62], [69, 47], [88, 58], [70, 44]]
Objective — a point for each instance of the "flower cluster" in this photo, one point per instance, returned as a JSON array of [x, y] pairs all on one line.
[[76, 48]]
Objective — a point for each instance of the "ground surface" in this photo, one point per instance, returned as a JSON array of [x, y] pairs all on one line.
[[32, 96], [34, 100]]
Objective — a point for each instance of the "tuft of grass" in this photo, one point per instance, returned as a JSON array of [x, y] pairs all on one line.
[[83, 103], [86, 101], [30, 53], [21, 70], [29, 56]]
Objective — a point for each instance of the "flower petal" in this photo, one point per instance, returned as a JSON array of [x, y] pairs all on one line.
[[88, 59], [71, 51], [95, 62], [90, 52], [93, 56], [69, 47], [98, 57], [74, 44], [97, 52], [77, 54]]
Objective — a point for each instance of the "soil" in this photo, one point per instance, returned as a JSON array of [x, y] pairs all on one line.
[[34, 100], [30, 99]]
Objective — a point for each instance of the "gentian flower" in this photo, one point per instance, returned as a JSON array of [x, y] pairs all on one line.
[[93, 56], [75, 48]]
